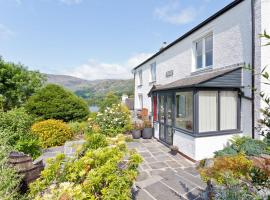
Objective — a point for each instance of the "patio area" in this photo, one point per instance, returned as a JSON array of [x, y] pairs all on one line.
[[164, 176]]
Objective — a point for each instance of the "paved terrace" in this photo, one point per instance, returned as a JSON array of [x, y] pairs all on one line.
[[164, 176]]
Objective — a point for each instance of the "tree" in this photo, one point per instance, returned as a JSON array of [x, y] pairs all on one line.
[[17, 84], [55, 102], [108, 101]]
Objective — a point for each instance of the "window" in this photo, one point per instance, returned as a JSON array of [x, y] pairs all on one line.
[[204, 52], [161, 109], [140, 78], [209, 104], [153, 72], [184, 110], [155, 108], [208, 111], [140, 96], [228, 117]]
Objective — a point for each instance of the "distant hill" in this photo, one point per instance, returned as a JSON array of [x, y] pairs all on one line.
[[91, 89]]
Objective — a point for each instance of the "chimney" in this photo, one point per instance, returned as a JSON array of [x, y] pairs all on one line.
[[163, 46]]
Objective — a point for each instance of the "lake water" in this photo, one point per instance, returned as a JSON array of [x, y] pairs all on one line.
[[93, 108]]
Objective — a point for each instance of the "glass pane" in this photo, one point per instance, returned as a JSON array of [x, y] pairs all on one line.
[[169, 110], [161, 109], [199, 62], [169, 135], [209, 58], [184, 110], [140, 77], [162, 134], [228, 117], [209, 43], [207, 111], [199, 48]]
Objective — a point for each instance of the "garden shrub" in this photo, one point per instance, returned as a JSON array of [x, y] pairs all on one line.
[[55, 102], [228, 168], [15, 125], [79, 128], [95, 141], [98, 174], [9, 179], [246, 145], [114, 120], [52, 132]]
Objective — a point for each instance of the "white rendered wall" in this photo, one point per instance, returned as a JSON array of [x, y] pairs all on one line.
[[231, 45], [206, 146], [185, 144]]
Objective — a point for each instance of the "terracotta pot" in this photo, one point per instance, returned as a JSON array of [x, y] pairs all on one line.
[[147, 133], [136, 134]]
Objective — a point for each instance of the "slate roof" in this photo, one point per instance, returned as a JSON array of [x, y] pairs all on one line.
[[198, 80]]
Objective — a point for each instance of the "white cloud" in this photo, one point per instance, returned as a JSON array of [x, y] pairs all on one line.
[[94, 69], [71, 2], [173, 13], [5, 32]]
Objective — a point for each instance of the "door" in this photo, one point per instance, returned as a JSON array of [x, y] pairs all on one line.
[[166, 118]]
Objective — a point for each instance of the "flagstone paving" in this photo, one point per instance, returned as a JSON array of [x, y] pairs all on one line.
[[164, 176]]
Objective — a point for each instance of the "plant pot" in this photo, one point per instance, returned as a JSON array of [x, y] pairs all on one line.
[[173, 152], [147, 133], [136, 134]]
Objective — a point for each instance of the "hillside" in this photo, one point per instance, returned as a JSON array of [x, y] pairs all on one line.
[[91, 89]]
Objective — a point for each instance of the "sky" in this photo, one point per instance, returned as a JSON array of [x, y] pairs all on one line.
[[94, 39]]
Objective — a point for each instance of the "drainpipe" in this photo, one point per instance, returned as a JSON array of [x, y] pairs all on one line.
[[253, 66]]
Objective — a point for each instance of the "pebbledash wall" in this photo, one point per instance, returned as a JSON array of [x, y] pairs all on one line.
[[232, 44]]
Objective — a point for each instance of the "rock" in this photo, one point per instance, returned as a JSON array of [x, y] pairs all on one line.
[[209, 162]]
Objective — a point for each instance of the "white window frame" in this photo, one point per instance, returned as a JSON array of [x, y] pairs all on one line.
[[153, 65], [140, 80], [203, 52]]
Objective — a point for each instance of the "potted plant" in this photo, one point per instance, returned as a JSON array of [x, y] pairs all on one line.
[[137, 131], [148, 130], [174, 149]]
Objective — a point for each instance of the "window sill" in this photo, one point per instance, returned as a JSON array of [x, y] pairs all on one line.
[[139, 86], [201, 70]]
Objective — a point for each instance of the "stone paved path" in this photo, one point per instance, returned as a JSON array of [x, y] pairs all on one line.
[[164, 176]]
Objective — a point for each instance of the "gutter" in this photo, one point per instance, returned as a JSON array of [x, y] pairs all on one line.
[[253, 68]]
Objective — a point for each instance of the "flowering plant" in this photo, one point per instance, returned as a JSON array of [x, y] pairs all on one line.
[[114, 120]]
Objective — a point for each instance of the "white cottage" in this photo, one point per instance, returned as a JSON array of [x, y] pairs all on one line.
[[198, 88]]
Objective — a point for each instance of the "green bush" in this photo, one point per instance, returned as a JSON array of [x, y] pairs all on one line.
[[98, 174], [95, 141], [52, 132], [114, 120], [15, 127], [79, 128], [9, 179], [54, 102], [246, 145]]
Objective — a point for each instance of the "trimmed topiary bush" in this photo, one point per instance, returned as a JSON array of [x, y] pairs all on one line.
[[54, 102], [52, 132]]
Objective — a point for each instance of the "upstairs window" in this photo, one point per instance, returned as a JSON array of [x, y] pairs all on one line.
[[153, 72], [204, 52], [140, 78]]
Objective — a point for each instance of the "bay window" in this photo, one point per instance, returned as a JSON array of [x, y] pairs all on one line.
[[184, 110], [207, 111]]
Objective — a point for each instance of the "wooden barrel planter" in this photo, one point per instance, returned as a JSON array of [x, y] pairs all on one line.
[[24, 166]]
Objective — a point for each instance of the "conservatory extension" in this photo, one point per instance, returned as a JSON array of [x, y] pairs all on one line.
[[198, 112]]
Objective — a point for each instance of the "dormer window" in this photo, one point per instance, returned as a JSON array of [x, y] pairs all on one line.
[[204, 52]]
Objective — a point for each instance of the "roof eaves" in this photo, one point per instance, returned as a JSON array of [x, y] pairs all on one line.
[[214, 16]]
